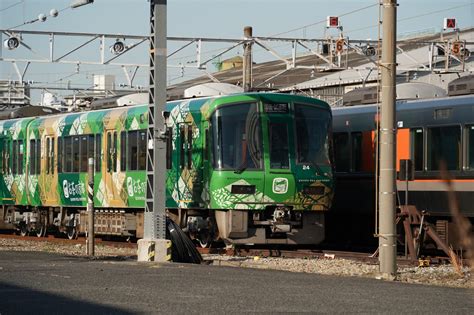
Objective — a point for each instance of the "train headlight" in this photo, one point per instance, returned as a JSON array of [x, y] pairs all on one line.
[[11, 43]]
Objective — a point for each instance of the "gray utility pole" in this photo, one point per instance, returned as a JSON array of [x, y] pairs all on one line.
[[154, 246], [387, 185], [90, 209], [247, 62]]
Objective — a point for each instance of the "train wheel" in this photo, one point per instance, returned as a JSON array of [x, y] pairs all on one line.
[[204, 239], [71, 233], [41, 231], [24, 230]]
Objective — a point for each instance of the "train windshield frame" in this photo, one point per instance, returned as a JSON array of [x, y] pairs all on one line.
[[237, 137], [312, 131]]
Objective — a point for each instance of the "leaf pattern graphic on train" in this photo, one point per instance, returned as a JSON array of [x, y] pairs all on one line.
[[226, 200]]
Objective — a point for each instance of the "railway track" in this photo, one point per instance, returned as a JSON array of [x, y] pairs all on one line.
[[65, 241], [364, 257]]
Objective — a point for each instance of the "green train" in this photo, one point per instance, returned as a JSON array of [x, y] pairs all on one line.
[[251, 168]]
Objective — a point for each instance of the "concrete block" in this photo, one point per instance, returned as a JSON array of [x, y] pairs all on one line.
[[158, 250]]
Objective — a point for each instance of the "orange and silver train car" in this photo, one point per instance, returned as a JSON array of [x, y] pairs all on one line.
[[430, 133]]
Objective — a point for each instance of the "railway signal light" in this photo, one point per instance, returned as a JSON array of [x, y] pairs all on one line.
[[332, 22], [339, 45], [449, 23]]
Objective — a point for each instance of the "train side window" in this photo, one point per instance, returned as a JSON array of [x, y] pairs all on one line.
[[47, 154], [190, 146], [182, 146], [51, 156], [132, 150], [342, 152], [8, 157], [90, 148], [123, 151], [356, 144], [112, 152], [15, 157], [142, 147], [33, 155], [98, 152], [418, 148], [60, 154], [169, 147], [5, 157], [444, 145], [68, 155], [38, 156], [206, 144], [470, 147], [83, 154], [76, 154], [109, 152], [2, 154], [20, 156]]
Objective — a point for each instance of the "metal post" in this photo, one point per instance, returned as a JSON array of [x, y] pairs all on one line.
[[90, 208], [155, 217], [247, 62], [387, 184]]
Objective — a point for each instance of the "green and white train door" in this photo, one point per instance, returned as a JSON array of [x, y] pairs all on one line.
[[50, 171], [110, 172], [279, 181]]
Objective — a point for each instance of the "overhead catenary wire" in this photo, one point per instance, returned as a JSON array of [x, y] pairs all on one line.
[[323, 21], [12, 5], [412, 17]]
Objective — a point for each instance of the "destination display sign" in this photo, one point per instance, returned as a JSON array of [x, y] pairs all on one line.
[[280, 108]]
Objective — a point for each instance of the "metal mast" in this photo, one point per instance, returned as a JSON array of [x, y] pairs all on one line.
[[155, 220], [247, 60], [387, 184]]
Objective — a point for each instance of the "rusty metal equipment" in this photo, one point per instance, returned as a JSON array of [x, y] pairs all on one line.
[[416, 226]]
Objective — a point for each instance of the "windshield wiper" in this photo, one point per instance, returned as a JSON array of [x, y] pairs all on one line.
[[241, 168]]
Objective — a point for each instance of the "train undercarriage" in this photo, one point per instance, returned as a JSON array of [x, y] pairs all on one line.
[[275, 225]]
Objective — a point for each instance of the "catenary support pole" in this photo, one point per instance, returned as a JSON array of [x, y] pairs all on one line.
[[90, 208], [247, 61], [154, 246], [387, 184]]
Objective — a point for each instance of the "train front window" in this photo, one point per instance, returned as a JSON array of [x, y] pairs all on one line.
[[236, 137], [312, 134], [279, 146]]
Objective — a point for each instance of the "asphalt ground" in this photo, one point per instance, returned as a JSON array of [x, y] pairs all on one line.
[[44, 283]]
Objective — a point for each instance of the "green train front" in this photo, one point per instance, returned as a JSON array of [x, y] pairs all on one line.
[[247, 168], [250, 169]]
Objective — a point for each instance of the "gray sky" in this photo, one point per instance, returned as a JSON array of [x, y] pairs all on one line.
[[212, 18]]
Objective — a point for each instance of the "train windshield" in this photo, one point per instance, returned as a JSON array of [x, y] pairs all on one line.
[[236, 138], [312, 126]]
